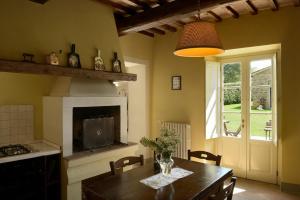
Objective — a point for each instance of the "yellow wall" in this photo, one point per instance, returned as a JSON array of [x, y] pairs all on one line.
[[137, 46], [40, 29], [188, 104]]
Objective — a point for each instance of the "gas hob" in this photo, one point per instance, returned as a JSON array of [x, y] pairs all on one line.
[[12, 150]]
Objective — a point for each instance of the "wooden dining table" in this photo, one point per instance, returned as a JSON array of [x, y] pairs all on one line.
[[204, 181]]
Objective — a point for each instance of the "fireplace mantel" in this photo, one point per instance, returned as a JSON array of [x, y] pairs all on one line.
[[36, 68]]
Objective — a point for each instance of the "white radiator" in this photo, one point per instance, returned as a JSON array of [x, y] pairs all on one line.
[[184, 133]]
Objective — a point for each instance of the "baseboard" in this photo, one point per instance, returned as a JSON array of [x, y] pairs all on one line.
[[290, 188]]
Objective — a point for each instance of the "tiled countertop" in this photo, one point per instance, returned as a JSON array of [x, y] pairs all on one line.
[[39, 148]]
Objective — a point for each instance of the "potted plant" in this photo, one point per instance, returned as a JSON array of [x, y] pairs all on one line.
[[164, 146]]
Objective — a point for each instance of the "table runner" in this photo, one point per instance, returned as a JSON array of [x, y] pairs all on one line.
[[157, 181]]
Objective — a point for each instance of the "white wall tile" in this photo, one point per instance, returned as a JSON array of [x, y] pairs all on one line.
[[4, 140], [4, 124], [16, 123], [4, 115], [4, 132]]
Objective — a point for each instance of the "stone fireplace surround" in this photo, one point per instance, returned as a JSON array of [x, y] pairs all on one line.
[[58, 127]]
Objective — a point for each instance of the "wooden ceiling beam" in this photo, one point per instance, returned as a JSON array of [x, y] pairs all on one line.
[[118, 6], [297, 3], [162, 2], [142, 4], [164, 14], [234, 13], [39, 1], [118, 15], [157, 31], [253, 8], [169, 28], [146, 33], [275, 5], [180, 23], [217, 17]]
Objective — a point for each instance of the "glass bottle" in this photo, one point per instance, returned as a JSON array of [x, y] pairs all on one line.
[[73, 58], [99, 64], [116, 64]]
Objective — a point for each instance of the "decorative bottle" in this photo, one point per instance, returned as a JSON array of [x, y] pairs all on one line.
[[99, 64], [116, 64], [73, 58]]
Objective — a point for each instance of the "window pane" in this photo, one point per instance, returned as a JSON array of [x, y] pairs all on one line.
[[261, 100], [232, 100]]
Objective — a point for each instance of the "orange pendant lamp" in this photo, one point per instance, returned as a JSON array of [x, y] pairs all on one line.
[[199, 39]]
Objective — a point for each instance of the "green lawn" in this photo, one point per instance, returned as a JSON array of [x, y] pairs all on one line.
[[258, 119]]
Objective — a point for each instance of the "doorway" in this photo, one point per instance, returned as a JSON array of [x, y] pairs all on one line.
[[248, 116], [137, 93]]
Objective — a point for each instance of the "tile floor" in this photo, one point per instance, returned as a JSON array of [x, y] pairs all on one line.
[[254, 190]]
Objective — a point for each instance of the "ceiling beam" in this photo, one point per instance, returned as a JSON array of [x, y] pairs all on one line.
[[253, 8], [165, 14], [142, 4], [180, 23], [39, 1], [162, 2], [157, 31], [217, 17], [169, 28], [275, 5], [297, 2], [118, 6], [146, 33], [234, 13]]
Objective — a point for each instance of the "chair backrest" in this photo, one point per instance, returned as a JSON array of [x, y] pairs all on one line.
[[226, 193], [225, 129], [117, 166], [232, 133], [269, 123], [205, 155]]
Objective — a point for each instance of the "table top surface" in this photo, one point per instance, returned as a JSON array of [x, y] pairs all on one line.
[[127, 186]]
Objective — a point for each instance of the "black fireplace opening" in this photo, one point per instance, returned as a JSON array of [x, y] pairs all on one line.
[[95, 127]]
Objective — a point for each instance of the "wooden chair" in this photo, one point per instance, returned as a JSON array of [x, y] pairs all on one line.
[[232, 133], [268, 129], [226, 193], [88, 194], [117, 167], [205, 155]]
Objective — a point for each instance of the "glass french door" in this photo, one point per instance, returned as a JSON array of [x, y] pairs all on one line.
[[248, 117]]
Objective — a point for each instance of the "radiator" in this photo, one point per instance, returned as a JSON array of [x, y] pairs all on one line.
[[184, 133]]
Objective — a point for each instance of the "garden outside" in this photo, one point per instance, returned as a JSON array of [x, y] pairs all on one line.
[[258, 119]]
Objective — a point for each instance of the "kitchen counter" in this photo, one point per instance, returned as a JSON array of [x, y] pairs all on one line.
[[39, 148]]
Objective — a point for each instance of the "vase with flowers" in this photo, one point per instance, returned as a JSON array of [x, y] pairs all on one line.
[[164, 146]]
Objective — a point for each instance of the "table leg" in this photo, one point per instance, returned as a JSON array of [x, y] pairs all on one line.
[[266, 133]]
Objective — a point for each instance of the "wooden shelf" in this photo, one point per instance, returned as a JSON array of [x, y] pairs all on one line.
[[35, 68]]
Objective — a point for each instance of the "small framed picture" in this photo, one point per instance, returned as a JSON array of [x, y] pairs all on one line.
[[176, 82]]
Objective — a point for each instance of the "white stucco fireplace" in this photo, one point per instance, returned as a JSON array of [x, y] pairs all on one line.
[[67, 105], [58, 128]]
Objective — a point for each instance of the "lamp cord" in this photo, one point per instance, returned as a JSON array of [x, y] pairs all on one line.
[[199, 11]]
